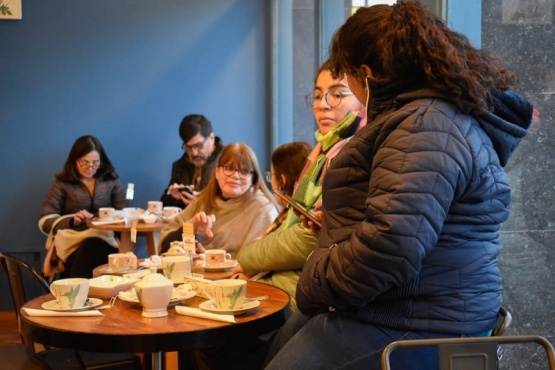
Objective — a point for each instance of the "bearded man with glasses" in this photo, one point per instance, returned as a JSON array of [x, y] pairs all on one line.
[[193, 170]]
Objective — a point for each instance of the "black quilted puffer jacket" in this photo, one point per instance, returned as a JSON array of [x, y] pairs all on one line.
[[412, 211]]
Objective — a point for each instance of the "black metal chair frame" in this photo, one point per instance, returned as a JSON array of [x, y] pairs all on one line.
[[12, 267]]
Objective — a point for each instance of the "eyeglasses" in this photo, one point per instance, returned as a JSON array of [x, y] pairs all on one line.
[[230, 171], [87, 164], [198, 146], [268, 175], [333, 98]]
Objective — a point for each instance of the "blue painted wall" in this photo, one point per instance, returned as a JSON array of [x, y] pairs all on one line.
[[126, 71]]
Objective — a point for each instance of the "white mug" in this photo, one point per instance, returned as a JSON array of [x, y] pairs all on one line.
[[176, 267], [155, 206], [227, 294], [171, 212], [216, 257], [70, 293], [106, 213]]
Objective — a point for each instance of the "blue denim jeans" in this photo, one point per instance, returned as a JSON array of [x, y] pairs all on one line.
[[330, 341]]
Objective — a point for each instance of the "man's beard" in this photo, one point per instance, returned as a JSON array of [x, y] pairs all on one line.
[[198, 160]]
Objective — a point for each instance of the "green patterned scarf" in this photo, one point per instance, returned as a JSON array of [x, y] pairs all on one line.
[[309, 187]]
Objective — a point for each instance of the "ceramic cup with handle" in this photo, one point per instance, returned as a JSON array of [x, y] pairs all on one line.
[[122, 261], [176, 267], [106, 213], [70, 293], [170, 212], [227, 294], [155, 206], [217, 257]]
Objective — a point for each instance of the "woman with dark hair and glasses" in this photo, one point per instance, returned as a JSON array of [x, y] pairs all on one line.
[[87, 182], [234, 208], [338, 116]]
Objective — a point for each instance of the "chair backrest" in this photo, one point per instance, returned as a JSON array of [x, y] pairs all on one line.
[[476, 353], [13, 268]]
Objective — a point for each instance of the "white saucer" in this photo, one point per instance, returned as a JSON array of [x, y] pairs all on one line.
[[53, 305], [219, 266], [207, 306], [131, 296]]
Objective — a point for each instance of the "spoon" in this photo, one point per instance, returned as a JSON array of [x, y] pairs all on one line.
[[259, 298]]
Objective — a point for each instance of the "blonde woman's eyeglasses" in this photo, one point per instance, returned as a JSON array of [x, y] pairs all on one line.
[[230, 171]]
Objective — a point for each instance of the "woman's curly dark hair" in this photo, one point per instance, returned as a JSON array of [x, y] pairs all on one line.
[[406, 41]]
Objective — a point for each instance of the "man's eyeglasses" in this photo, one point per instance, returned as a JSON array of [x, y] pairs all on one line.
[[268, 175], [198, 146], [230, 171], [87, 164], [333, 98]]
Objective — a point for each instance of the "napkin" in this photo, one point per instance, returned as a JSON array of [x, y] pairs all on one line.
[[35, 312], [107, 222], [197, 312]]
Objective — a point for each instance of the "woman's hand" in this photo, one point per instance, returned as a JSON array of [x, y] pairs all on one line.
[[203, 223], [311, 225], [81, 217]]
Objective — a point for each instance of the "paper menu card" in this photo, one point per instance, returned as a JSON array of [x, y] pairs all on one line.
[[189, 243]]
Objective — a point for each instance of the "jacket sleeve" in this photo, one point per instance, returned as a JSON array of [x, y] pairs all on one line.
[[118, 195], [415, 174], [281, 250], [54, 204]]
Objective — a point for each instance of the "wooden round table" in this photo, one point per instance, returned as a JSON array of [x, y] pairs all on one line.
[[124, 329], [143, 229]]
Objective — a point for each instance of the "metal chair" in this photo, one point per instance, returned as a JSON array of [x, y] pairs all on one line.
[[474, 353], [60, 358]]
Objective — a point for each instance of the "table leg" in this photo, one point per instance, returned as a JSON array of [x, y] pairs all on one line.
[[150, 243], [125, 244]]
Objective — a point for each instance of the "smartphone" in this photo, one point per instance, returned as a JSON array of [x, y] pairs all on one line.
[[298, 207], [186, 189]]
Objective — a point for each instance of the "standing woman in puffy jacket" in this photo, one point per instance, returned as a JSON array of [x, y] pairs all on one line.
[[413, 203]]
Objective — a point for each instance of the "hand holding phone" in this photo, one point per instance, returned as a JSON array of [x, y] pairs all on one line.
[[186, 189], [298, 207]]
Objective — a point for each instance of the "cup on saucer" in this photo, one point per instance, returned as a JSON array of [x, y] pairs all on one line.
[[70, 293], [227, 294]]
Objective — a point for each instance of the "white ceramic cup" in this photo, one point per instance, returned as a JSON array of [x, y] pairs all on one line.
[[130, 214], [176, 267], [170, 212], [122, 261], [154, 292], [106, 213], [155, 206], [227, 294], [215, 257], [70, 293]]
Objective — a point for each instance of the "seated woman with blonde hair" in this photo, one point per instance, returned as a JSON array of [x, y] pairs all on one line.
[[235, 208]]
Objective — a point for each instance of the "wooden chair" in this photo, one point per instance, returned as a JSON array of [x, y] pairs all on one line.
[[476, 353], [59, 358]]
